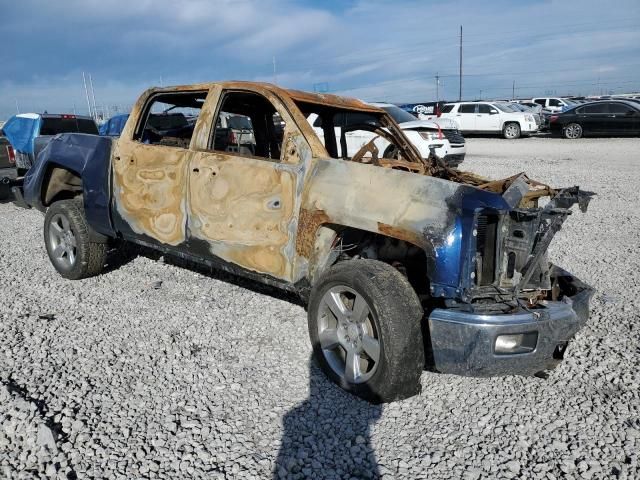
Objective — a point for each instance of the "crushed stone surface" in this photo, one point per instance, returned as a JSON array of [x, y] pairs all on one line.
[[151, 370]]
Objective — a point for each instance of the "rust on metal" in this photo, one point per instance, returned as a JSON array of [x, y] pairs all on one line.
[[308, 223], [409, 236]]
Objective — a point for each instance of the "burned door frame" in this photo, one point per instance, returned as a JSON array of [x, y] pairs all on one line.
[[149, 180], [262, 236]]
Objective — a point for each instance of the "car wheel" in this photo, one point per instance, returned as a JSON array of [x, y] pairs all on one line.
[[66, 237], [511, 130], [364, 325], [573, 131]]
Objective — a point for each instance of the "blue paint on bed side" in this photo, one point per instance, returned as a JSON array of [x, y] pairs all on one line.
[[89, 156]]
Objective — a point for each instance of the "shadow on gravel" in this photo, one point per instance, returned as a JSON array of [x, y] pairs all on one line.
[[328, 435]]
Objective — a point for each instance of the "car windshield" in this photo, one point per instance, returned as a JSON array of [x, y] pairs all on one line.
[[398, 114], [505, 107]]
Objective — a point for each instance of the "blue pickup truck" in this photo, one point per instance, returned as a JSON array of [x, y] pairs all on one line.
[[28, 133], [402, 261]]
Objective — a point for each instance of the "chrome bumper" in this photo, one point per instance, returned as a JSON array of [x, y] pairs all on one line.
[[464, 343]]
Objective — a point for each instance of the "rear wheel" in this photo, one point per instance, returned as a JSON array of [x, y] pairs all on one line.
[[364, 324], [573, 131], [68, 243], [511, 130]]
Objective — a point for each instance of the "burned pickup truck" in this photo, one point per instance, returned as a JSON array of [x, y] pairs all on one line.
[[403, 262]]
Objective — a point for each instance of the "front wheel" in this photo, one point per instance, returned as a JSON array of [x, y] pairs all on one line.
[[364, 325], [511, 131], [573, 131], [68, 242]]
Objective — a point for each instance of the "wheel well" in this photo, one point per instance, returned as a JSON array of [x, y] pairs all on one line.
[[60, 184], [409, 259]]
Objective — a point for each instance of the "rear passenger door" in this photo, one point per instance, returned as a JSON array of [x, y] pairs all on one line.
[[466, 117], [594, 118], [150, 163]]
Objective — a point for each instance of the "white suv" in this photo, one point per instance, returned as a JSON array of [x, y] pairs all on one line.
[[490, 117], [553, 104], [441, 135]]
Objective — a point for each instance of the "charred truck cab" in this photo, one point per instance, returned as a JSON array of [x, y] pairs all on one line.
[[402, 260]]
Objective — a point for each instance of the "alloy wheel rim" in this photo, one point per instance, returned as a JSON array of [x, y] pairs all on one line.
[[511, 131], [348, 336], [573, 131], [62, 241]]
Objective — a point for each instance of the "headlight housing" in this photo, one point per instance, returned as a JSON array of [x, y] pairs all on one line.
[[529, 118], [431, 135]]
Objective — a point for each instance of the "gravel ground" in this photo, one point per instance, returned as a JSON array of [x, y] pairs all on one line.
[[156, 371]]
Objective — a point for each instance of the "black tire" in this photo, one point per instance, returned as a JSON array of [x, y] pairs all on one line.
[[88, 257], [572, 131], [395, 315], [390, 152], [511, 130]]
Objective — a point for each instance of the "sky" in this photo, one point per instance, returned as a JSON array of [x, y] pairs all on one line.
[[376, 50]]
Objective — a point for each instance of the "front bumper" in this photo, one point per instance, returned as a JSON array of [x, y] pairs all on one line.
[[463, 343]]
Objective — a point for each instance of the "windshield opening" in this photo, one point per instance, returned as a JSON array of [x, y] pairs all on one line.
[[360, 136], [398, 114]]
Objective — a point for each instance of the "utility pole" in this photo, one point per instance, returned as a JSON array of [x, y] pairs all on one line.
[[513, 91], [480, 94], [437, 87], [460, 92], [17, 109], [86, 92], [275, 74]]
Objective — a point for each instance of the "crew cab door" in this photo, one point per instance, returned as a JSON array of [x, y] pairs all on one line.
[[242, 204], [150, 163]]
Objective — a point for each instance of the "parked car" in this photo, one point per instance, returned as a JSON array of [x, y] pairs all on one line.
[[605, 117], [369, 243], [490, 117], [28, 133], [523, 108], [234, 133], [442, 136], [553, 104]]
